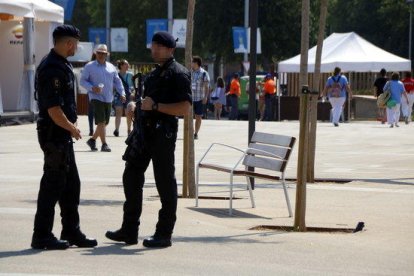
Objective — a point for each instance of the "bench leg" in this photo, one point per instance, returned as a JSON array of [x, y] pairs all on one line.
[[249, 185], [286, 195], [231, 195], [196, 186]]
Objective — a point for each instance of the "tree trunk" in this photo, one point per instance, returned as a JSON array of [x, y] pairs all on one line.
[[314, 98], [300, 208], [188, 166]]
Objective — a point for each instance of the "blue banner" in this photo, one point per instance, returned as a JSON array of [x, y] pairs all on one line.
[[67, 6], [153, 26], [97, 35], [240, 40]]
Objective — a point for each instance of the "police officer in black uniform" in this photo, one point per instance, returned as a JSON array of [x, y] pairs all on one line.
[[167, 94], [56, 126]]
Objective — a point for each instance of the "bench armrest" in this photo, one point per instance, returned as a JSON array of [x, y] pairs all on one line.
[[265, 153], [243, 153]]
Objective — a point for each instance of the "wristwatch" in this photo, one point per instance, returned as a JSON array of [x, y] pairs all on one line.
[[154, 106]]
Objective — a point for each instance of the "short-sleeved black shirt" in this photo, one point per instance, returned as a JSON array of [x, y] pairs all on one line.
[[54, 85], [379, 84], [170, 83]]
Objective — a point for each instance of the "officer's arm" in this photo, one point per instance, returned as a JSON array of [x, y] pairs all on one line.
[[59, 118], [175, 109]]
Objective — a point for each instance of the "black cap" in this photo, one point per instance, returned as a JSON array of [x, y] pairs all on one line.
[[165, 39], [66, 30]]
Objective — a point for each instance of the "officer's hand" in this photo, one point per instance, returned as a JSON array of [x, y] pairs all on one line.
[[76, 133], [147, 103], [123, 99], [130, 110]]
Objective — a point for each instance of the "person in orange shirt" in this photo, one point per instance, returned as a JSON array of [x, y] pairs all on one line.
[[234, 94], [269, 90]]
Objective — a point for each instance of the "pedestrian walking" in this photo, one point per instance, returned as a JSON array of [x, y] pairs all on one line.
[[407, 106], [397, 94], [378, 87], [234, 94], [200, 86], [100, 78], [336, 89]]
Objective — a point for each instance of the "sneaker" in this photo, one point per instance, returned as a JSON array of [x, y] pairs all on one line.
[[195, 136], [336, 124], [116, 133], [406, 120], [105, 148], [391, 126], [92, 144], [397, 125]]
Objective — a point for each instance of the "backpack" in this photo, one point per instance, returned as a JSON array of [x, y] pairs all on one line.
[[336, 88], [385, 96]]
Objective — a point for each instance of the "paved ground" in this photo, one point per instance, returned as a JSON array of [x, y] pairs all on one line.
[[378, 160]]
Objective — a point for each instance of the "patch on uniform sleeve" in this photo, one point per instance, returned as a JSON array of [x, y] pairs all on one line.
[[56, 83]]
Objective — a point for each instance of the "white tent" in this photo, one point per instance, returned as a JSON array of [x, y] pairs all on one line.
[[25, 35], [351, 53], [38, 9]]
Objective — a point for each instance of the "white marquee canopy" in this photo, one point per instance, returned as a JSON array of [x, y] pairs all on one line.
[[351, 53], [38, 9], [17, 78]]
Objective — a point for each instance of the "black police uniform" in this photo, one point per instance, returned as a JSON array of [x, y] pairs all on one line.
[[170, 83], [54, 86]]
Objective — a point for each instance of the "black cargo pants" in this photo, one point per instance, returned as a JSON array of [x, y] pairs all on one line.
[[60, 183], [159, 146]]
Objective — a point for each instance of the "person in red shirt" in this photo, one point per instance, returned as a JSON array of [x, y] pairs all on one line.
[[234, 94], [269, 89], [407, 106]]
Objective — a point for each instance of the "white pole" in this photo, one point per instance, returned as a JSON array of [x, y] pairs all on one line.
[[108, 24], [246, 24], [170, 15]]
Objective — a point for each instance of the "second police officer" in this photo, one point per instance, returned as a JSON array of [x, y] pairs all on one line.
[[167, 95]]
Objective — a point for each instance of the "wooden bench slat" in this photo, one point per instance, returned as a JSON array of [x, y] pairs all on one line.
[[240, 172], [261, 175]]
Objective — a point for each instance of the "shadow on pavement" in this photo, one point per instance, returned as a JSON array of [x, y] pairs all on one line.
[[245, 238], [394, 181], [113, 249], [24, 252], [224, 213]]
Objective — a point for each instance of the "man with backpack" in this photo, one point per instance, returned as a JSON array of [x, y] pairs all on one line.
[[335, 89]]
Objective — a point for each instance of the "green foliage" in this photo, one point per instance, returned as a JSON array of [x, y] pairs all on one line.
[[382, 22]]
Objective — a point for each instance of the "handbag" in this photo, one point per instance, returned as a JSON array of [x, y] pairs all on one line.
[[384, 97]]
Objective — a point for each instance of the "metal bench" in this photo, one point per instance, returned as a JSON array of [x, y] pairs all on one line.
[[267, 152]]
